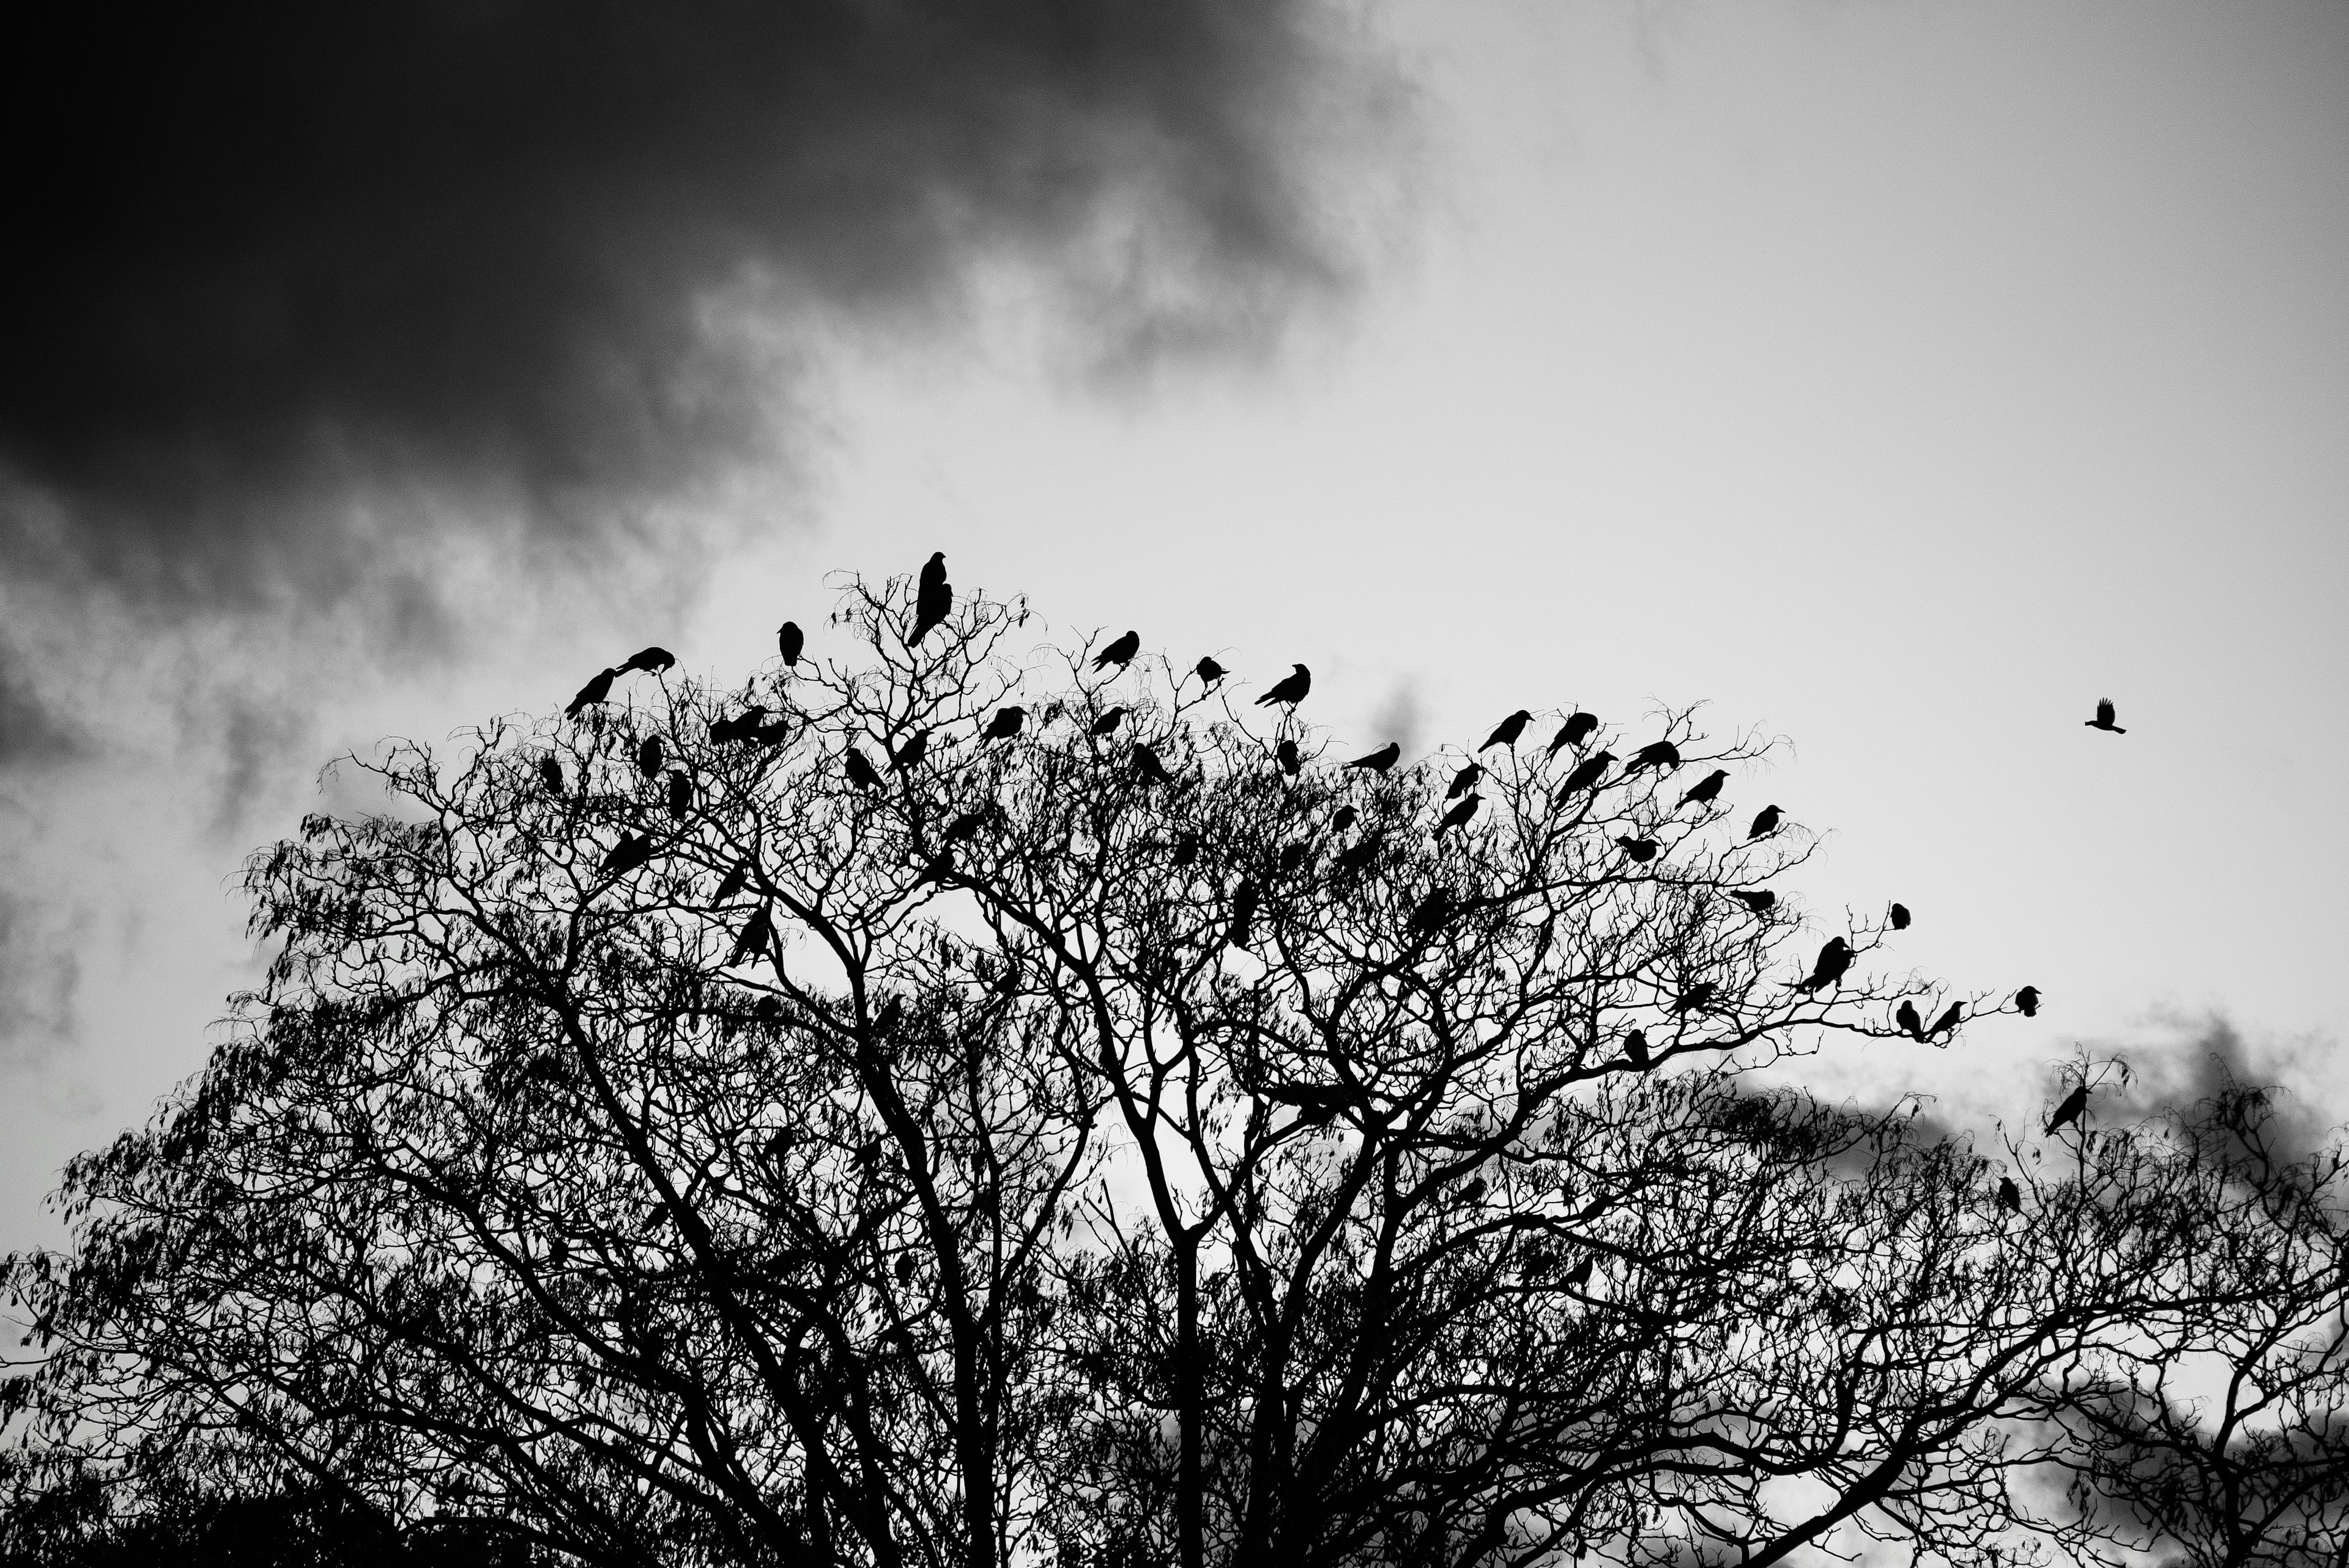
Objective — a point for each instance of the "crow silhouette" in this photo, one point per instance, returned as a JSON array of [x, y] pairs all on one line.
[[732, 882], [1834, 959], [1148, 768], [1358, 855], [1641, 850], [965, 826], [1696, 998], [1005, 723], [1433, 913], [1581, 1276], [773, 734], [1899, 917], [934, 599], [1464, 780], [1586, 775], [909, 756], [1952, 1016], [651, 660], [2026, 1000], [1120, 652], [756, 931], [595, 691], [1573, 732], [860, 771], [1242, 914], [1379, 761], [743, 727], [2104, 719], [2069, 1111], [1765, 823], [633, 850], [648, 755], [1635, 1047], [1473, 1191], [890, 1012], [1343, 818], [1760, 900], [1909, 1020], [1208, 671], [1285, 754], [1654, 755], [2009, 1196], [550, 773], [1186, 849], [1290, 689], [1292, 856], [680, 793], [1706, 790], [1317, 1104], [1507, 732], [1107, 722], [790, 642], [1459, 814]]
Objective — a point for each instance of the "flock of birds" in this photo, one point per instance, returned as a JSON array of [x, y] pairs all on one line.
[[934, 602]]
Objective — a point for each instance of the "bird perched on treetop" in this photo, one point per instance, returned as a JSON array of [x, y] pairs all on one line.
[[1464, 780], [732, 882], [1765, 823], [1291, 688], [1507, 732], [1285, 754], [2069, 1111], [1573, 732], [1706, 790], [909, 755], [1696, 998], [1899, 917], [1379, 761], [1186, 849], [651, 660], [1907, 1019], [633, 850], [648, 755], [1581, 1276], [1208, 671], [1005, 723], [680, 793], [595, 691], [966, 824], [1148, 768], [1359, 856], [1654, 755], [1952, 1016], [756, 931], [1834, 959], [550, 773], [2026, 1001], [934, 600], [860, 771], [2104, 719], [1641, 850], [1120, 652], [1586, 774], [1760, 900], [789, 642], [1433, 913], [1459, 814], [1635, 1046], [1107, 722], [2009, 1196], [1242, 914]]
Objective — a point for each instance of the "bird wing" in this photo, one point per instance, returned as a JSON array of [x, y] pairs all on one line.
[[2105, 711]]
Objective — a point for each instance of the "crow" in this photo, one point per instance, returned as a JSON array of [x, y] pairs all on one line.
[[1909, 1020], [1459, 814], [1005, 723], [1360, 854], [1573, 732], [1285, 754], [2069, 1111], [755, 934], [1473, 1191], [1586, 775], [1952, 1016], [1208, 671], [965, 826], [909, 756], [1379, 761], [1120, 652], [1291, 688], [731, 883], [1507, 732], [934, 600], [1317, 1104], [1186, 849], [789, 641], [1343, 818], [1293, 856], [860, 771], [890, 1012], [905, 1268], [1433, 913], [595, 691], [1464, 780], [1834, 959], [1635, 1047], [2104, 719], [648, 755], [1765, 823], [1242, 913], [1148, 768], [680, 793], [1706, 789], [1696, 998], [773, 734], [1581, 1276], [1760, 900], [1641, 850], [651, 660], [550, 773], [633, 850], [1899, 917], [2026, 1000], [1654, 755], [743, 726], [2009, 1196], [1107, 722]]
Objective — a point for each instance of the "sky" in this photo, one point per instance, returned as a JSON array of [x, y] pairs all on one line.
[[1894, 378]]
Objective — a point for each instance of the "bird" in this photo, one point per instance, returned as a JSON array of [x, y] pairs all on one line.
[[1586, 775], [860, 771], [1765, 823], [1285, 754], [1459, 814], [790, 641], [2009, 1196], [731, 883], [1952, 1016], [680, 793], [1574, 732], [1706, 789], [1507, 732], [1635, 1047], [2026, 1001], [1292, 856], [1909, 1020], [1186, 849], [1107, 722], [1464, 780], [1148, 768], [773, 734], [633, 850], [651, 660], [2069, 1111], [1343, 818], [1005, 723], [648, 755], [1433, 913], [905, 1268], [760, 927], [1120, 652], [1208, 671], [964, 825], [1654, 755], [1696, 998], [1899, 917], [550, 773], [1290, 689], [1760, 900], [1641, 850], [1379, 761], [2104, 719], [1473, 1191], [934, 599], [909, 755], [1358, 855], [1580, 1275], [595, 691], [1242, 913], [1834, 959], [743, 726]]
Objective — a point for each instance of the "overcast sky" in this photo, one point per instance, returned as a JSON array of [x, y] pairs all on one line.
[[1895, 379]]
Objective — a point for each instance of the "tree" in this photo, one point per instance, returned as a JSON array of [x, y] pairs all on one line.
[[873, 1127]]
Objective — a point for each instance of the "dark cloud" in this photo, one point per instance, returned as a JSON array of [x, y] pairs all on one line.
[[2205, 1062], [31, 732], [295, 289]]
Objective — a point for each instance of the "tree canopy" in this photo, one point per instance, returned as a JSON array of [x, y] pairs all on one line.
[[943, 1104]]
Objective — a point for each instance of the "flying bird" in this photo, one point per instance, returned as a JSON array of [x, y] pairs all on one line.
[[1464, 780], [1005, 723], [789, 641], [2104, 719], [1107, 722], [1899, 917], [1641, 850], [1952, 1016], [2009, 1196], [756, 931], [1507, 732], [2026, 1000], [550, 773], [1586, 775], [1379, 761], [1706, 790], [1834, 959], [1654, 755], [909, 755], [1291, 688], [2069, 1111], [1907, 1019], [1696, 998], [648, 755], [1760, 900], [1635, 1046], [934, 599], [633, 850], [1208, 671], [1120, 652], [651, 660], [1148, 768], [680, 793], [1285, 754], [1765, 823], [1242, 913], [595, 691], [861, 772], [1459, 814], [1573, 732]]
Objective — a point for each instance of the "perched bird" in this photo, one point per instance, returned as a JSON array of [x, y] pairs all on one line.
[[1473, 1191], [1459, 814], [789, 641], [1765, 823], [1291, 688], [1706, 790], [965, 826], [1208, 671], [633, 850], [2104, 719], [909, 756], [550, 773], [756, 932], [934, 599], [1292, 856], [1379, 761], [1907, 1019], [1507, 732], [1242, 914], [1343, 818], [860, 771], [1148, 768], [1573, 732], [1120, 652], [1005, 723], [1186, 849], [1358, 855], [648, 755], [743, 726], [1318, 1103], [1580, 1275], [595, 691], [680, 793], [1899, 917], [1464, 780], [2069, 1111], [1107, 722], [1433, 913], [1834, 959], [1654, 755], [2026, 1001], [1635, 1047], [731, 883], [1952, 1016], [1761, 900], [890, 1012], [1696, 998], [2009, 1196], [1586, 775], [905, 1268], [1641, 850], [773, 734], [1285, 754], [651, 660]]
